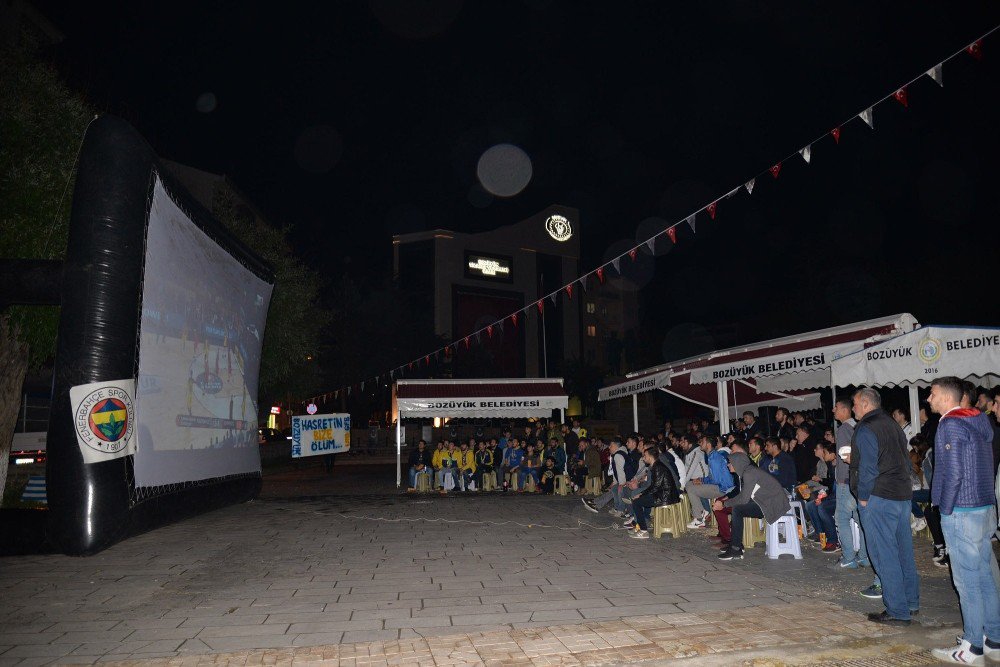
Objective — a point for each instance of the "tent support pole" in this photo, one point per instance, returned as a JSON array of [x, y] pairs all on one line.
[[722, 389], [914, 405], [399, 450], [635, 413], [833, 408]]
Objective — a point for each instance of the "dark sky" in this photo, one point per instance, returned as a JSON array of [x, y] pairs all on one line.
[[351, 121]]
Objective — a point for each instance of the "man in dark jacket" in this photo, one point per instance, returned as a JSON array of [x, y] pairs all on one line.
[[880, 480], [963, 490], [662, 490], [420, 463], [778, 463], [760, 496]]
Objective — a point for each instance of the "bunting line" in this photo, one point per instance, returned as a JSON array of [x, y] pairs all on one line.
[[899, 94]]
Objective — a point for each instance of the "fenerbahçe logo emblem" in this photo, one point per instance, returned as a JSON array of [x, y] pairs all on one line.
[[105, 419], [929, 350]]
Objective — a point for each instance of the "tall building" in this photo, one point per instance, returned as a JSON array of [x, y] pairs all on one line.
[[464, 282]]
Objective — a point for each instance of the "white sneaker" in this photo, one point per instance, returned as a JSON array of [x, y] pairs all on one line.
[[639, 535], [697, 523], [989, 652], [919, 524], [959, 655]]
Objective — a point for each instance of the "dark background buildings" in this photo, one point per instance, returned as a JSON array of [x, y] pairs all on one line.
[[356, 121]]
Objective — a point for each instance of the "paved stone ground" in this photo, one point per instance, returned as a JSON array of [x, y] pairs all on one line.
[[334, 578]]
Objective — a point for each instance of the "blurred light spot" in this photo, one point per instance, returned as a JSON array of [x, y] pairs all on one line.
[[318, 149], [632, 275], [647, 229], [504, 170], [416, 19], [206, 103]]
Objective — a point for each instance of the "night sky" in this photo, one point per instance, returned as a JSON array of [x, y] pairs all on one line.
[[352, 121]]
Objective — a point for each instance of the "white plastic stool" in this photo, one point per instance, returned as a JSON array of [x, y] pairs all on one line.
[[785, 528], [800, 513], [449, 482], [856, 533]]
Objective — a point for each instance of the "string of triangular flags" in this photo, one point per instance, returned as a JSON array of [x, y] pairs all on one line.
[[900, 95]]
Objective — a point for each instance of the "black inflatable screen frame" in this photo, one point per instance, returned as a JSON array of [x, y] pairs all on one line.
[[92, 506]]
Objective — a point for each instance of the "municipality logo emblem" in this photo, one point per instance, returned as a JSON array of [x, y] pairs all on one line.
[[559, 228], [929, 350], [105, 419]]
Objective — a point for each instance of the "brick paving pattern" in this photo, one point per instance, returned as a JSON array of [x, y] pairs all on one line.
[[519, 578]]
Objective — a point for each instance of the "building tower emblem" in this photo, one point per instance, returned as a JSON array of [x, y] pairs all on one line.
[[559, 228]]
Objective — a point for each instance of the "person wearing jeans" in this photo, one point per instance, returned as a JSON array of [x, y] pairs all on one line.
[[963, 491], [880, 479], [661, 490]]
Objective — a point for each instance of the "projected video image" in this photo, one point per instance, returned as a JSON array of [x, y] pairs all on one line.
[[203, 315]]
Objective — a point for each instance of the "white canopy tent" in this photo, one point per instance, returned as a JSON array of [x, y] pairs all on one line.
[[517, 397], [915, 358], [776, 372]]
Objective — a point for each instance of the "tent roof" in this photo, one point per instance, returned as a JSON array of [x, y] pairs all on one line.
[[488, 397], [919, 356], [802, 355]]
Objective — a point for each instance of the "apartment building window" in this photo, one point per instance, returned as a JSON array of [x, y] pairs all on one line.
[[591, 309], [591, 331]]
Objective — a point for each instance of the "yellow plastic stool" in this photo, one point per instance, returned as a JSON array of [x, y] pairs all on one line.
[[423, 481], [489, 481], [668, 519], [529, 484], [753, 532], [512, 479], [561, 487], [593, 486]]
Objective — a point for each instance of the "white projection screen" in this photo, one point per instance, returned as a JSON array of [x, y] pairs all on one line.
[[203, 316]]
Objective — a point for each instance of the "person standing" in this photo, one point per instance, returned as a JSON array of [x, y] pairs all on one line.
[[854, 555], [963, 491], [880, 480]]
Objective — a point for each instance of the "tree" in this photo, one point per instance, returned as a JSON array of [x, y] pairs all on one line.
[[296, 318], [42, 124], [14, 361]]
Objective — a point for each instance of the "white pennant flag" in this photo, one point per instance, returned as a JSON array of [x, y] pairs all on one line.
[[806, 153], [748, 185], [477, 338], [937, 73], [651, 244], [614, 263], [866, 116], [691, 221], [553, 297], [501, 326], [392, 374], [362, 385], [583, 283]]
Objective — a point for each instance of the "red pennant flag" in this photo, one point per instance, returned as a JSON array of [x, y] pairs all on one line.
[[600, 274], [711, 209], [427, 360], [541, 305], [569, 291], [489, 330], [513, 318], [672, 233], [975, 49], [411, 365], [632, 253], [836, 134], [900, 96], [466, 342], [775, 170]]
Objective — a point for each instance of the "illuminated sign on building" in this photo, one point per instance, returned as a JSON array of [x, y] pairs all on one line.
[[559, 228], [490, 267]]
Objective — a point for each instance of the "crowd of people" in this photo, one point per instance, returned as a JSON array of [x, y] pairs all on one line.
[[874, 468]]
